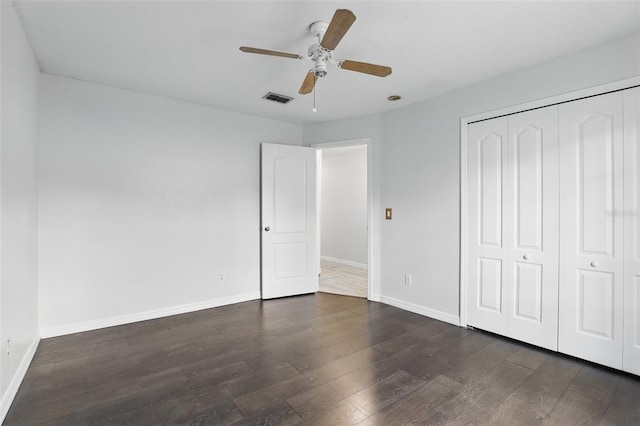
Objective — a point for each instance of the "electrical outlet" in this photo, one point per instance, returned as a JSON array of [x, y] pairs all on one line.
[[8, 347], [221, 277], [408, 281]]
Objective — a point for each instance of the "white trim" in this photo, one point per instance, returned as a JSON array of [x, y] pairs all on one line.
[[3, 411], [421, 310], [464, 121], [564, 97], [372, 281], [60, 330], [16, 380], [342, 144], [464, 194], [344, 262]]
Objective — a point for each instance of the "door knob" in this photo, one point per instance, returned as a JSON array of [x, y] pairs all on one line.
[[267, 229], [525, 257], [594, 264]]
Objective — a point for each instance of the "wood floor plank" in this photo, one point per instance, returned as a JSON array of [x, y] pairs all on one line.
[[595, 382], [514, 411], [281, 414], [333, 391], [385, 392], [574, 407], [476, 403], [545, 386], [413, 337], [415, 406], [624, 409], [444, 354], [469, 369], [340, 413], [529, 357], [259, 400], [258, 380]]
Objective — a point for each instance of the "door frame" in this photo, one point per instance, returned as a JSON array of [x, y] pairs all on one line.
[[372, 293], [464, 190]]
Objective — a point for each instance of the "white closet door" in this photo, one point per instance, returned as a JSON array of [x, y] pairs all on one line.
[[631, 356], [591, 237], [487, 256], [532, 270]]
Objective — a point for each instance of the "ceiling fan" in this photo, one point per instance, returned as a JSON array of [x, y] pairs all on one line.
[[328, 35]]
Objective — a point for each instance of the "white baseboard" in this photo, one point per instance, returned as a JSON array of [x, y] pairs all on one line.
[[375, 297], [16, 380], [60, 330], [344, 262], [427, 312]]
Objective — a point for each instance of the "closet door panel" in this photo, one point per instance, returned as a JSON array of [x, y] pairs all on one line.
[[591, 237], [532, 289], [489, 285], [526, 154], [487, 153], [595, 187], [594, 300], [489, 177], [527, 293], [631, 356]]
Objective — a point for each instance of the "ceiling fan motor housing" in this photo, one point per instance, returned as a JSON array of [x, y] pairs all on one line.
[[320, 56]]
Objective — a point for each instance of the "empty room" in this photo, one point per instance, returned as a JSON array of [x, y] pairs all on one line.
[[319, 212]]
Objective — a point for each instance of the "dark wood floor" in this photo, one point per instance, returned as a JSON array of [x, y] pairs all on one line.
[[316, 359]]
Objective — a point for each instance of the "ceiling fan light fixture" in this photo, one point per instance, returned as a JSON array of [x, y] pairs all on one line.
[[320, 70], [394, 98]]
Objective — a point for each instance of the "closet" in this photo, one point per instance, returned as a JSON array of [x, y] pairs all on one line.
[[553, 228]]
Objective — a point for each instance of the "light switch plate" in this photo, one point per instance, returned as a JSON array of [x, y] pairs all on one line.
[[388, 214]]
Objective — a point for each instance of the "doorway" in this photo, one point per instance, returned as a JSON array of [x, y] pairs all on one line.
[[343, 218]]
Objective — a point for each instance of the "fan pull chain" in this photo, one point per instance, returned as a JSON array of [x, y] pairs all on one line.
[[314, 97]]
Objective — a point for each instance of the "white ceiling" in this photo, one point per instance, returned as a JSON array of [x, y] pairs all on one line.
[[188, 50]]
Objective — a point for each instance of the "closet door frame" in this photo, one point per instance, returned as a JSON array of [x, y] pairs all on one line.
[[631, 217], [464, 190]]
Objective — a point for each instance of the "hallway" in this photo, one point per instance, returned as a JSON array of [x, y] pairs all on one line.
[[338, 278]]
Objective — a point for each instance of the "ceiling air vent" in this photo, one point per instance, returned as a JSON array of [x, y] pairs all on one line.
[[281, 99]]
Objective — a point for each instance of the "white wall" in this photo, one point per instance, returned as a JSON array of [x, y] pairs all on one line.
[[418, 169], [19, 73], [144, 201], [343, 204]]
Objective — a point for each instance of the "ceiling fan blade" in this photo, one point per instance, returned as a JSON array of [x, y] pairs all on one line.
[[270, 52], [378, 70], [308, 83], [338, 27]]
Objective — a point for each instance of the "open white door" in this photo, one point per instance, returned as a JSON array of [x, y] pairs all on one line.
[[289, 224]]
